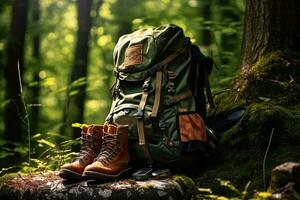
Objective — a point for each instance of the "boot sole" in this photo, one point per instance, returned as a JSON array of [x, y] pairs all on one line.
[[97, 175], [68, 174]]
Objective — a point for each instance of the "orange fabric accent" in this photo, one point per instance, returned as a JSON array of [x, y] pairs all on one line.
[[192, 127]]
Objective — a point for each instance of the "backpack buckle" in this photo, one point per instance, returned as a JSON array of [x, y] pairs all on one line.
[[161, 124], [139, 114], [109, 118], [171, 90], [146, 86]]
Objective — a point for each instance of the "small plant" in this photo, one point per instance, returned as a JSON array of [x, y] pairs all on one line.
[[207, 193]]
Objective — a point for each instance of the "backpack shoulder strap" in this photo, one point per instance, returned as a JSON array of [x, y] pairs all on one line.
[[159, 72], [206, 64]]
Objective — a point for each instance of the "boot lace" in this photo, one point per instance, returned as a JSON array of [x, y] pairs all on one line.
[[86, 149], [109, 147]]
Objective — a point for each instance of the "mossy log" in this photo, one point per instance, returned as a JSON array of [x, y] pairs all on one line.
[[50, 186]]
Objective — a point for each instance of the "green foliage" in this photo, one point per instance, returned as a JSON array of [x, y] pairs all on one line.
[[50, 147], [111, 18]]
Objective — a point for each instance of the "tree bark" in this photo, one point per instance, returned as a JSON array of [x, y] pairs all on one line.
[[37, 56], [13, 115], [269, 25]]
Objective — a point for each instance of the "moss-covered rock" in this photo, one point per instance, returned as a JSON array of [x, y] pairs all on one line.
[[269, 132], [244, 147]]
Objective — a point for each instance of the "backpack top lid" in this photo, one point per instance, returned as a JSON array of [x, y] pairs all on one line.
[[137, 52]]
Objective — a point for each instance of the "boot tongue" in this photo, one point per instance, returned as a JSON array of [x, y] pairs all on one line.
[[110, 136], [109, 142], [89, 130], [97, 131], [111, 130]]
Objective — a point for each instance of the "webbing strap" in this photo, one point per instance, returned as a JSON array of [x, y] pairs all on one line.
[[157, 93], [171, 57], [140, 122], [183, 96], [158, 81], [142, 140]]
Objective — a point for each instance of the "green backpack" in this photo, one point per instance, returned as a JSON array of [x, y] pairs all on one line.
[[159, 93]]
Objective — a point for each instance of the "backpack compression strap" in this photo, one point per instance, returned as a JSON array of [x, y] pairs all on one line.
[[140, 120], [146, 85], [158, 82]]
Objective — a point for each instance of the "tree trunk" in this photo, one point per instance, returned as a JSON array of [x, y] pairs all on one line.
[[269, 25], [75, 103], [206, 14], [13, 115], [37, 56], [270, 51]]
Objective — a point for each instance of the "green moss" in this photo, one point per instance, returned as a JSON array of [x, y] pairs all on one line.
[[147, 186], [186, 184], [5, 179], [184, 181], [274, 76], [243, 147]]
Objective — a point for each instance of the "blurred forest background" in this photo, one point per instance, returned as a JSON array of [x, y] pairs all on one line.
[[66, 66]]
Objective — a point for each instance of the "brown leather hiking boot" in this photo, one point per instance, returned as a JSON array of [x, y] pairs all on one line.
[[91, 144], [113, 159]]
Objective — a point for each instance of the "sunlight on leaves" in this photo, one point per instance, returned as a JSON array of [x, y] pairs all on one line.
[[205, 190], [93, 104], [2, 46], [42, 74], [69, 38], [263, 195], [104, 40], [228, 185], [46, 142], [215, 197], [36, 135], [105, 11], [78, 125], [70, 17], [52, 36], [74, 92], [78, 82]]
